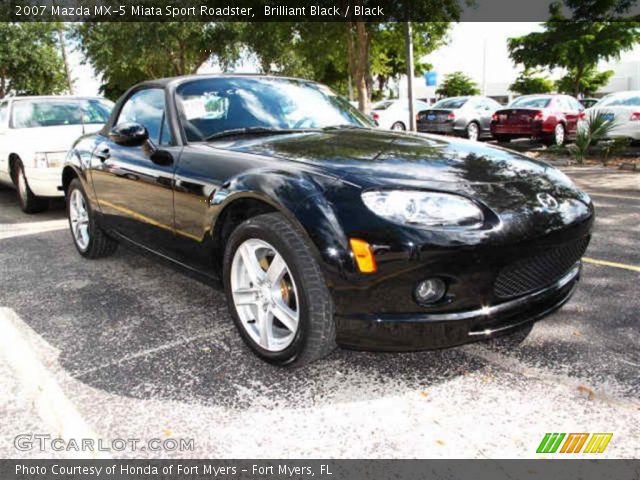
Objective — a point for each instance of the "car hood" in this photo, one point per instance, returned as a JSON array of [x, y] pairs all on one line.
[[507, 182], [50, 139], [370, 156]]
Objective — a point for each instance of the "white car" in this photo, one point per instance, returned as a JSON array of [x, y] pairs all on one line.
[[623, 108], [394, 114], [35, 134]]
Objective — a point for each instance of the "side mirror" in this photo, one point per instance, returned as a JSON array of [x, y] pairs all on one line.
[[129, 134]]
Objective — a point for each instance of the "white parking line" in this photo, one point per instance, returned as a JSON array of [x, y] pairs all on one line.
[[56, 410], [10, 230]]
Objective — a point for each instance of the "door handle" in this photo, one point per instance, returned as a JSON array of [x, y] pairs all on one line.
[[103, 154]]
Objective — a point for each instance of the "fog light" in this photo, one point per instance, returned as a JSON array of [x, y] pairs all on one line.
[[430, 290]]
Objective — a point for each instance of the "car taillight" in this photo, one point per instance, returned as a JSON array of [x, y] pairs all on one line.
[[582, 115], [635, 117], [451, 116], [539, 115], [494, 117], [375, 116]]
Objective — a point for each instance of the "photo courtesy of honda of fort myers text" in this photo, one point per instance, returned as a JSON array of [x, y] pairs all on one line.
[[328, 239]]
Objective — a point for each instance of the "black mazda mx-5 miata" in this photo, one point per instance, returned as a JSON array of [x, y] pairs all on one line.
[[322, 229]]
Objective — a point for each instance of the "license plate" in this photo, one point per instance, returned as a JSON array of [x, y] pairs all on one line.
[[431, 117], [608, 117]]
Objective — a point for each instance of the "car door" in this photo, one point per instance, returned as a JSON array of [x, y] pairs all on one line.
[[134, 184], [571, 113], [486, 109]]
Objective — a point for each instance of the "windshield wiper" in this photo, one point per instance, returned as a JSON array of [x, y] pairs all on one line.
[[253, 131]]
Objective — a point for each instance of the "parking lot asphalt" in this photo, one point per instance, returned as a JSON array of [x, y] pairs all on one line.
[[127, 347]]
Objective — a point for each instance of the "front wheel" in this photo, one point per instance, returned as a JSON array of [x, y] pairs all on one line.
[[88, 237], [276, 292], [29, 203]]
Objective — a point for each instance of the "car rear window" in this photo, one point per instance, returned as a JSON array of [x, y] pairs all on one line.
[[531, 102], [620, 100], [451, 103]]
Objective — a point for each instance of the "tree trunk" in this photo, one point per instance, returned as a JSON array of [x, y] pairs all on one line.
[[362, 58], [576, 81], [63, 50]]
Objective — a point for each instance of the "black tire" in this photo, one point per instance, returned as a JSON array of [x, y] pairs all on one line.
[[29, 203], [502, 138], [100, 244], [315, 336], [399, 126], [512, 340]]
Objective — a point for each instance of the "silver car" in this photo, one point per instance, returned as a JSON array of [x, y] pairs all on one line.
[[468, 117]]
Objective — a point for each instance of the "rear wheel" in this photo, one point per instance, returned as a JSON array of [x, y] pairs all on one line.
[[473, 131], [558, 137], [398, 126], [277, 293], [29, 203], [89, 239]]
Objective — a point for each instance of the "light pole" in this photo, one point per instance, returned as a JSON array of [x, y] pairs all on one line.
[[409, 45]]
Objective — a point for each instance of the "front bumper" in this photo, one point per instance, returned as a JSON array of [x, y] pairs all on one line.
[[44, 182], [409, 332]]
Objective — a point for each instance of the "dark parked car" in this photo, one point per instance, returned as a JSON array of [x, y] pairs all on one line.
[[322, 229], [552, 119], [468, 117]]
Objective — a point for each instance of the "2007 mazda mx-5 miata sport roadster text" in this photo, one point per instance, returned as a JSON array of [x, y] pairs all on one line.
[[322, 229]]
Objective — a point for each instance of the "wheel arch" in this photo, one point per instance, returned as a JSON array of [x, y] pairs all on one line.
[[241, 205]]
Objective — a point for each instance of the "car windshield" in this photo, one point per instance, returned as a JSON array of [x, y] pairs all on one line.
[[620, 100], [451, 103], [213, 106], [531, 102], [54, 113]]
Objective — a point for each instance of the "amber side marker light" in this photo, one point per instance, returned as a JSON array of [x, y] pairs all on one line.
[[364, 255]]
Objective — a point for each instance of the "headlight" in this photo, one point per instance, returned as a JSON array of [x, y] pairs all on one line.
[[49, 159], [40, 160], [430, 209]]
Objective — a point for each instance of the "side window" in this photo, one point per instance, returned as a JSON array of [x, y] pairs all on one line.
[[4, 108], [147, 108]]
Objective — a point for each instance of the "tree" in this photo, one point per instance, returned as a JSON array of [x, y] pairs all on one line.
[[374, 51], [30, 61], [457, 84], [577, 45], [590, 82], [125, 53], [527, 83], [388, 56]]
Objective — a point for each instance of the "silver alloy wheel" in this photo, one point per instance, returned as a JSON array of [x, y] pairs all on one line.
[[265, 295], [79, 218], [472, 131], [559, 134], [22, 185], [398, 126]]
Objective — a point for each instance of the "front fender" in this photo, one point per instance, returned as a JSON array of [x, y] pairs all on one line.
[[302, 200]]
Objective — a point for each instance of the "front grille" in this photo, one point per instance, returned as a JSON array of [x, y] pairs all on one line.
[[534, 273]]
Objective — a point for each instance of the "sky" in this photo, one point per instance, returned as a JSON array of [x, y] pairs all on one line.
[[466, 50]]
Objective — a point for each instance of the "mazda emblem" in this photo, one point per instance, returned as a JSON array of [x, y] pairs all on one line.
[[547, 200]]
